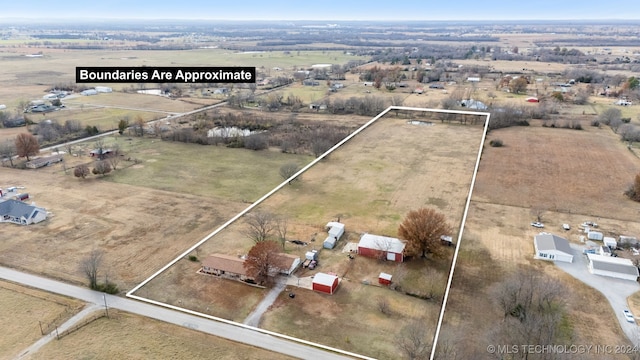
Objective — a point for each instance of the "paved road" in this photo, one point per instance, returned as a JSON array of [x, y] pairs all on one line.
[[241, 334], [615, 290]]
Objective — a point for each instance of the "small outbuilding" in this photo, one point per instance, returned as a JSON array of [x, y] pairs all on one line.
[[613, 267], [335, 232], [595, 235], [384, 278], [552, 248], [610, 242], [325, 283]]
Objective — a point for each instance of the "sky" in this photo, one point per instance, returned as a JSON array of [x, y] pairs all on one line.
[[324, 9]]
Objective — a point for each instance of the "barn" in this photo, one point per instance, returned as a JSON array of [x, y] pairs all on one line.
[[612, 267], [377, 246], [325, 283], [552, 248]]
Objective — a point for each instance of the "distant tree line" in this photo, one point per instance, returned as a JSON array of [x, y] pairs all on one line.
[[290, 135]]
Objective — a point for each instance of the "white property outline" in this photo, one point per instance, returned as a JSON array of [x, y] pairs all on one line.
[[129, 294]]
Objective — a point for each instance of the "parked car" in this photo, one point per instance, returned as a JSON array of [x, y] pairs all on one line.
[[313, 264], [566, 226], [537, 224], [629, 316]]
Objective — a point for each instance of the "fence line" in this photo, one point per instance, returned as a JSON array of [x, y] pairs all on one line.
[[78, 326]]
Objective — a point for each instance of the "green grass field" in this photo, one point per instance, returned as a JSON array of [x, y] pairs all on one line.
[[212, 171]]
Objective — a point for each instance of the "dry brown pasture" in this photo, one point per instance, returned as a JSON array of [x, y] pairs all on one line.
[[139, 229], [574, 176], [370, 183], [580, 172], [127, 336], [21, 312]]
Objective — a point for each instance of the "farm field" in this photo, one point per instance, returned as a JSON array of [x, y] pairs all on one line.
[[573, 176], [124, 335], [369, 184], [139, 229], [239, 175], [21, 312]]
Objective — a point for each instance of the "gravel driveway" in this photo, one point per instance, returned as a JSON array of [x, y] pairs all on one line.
[[615, 290]]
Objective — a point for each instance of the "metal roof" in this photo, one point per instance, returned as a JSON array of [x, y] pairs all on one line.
[[552, 242], [382, 243], [613, 264]]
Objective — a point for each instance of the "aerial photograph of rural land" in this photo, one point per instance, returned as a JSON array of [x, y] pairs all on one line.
[[328, 180]]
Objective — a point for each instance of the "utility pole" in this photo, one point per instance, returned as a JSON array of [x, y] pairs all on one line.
[[106, 308]]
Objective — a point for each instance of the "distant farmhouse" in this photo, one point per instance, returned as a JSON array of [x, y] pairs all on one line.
[[17, 212]]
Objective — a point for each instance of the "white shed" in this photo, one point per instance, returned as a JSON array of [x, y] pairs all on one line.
[[552, 248], [335, 231], [595, 235], [610, 242], [612, 267]]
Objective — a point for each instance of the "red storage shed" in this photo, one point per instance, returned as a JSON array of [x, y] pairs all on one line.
[[325, 283], [384, 278]]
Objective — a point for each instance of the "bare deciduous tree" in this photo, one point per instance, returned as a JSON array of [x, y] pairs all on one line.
[[90, 266], [27, 145], [533, 310], [81, 170], [414, 341], [102, 168], [288, 170], [260, 225], [8, 151], [282, 227], [422, 229]]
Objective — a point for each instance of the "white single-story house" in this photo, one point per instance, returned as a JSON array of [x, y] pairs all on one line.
[[20, 213], [377, 246], [613, 267], [552, 248]]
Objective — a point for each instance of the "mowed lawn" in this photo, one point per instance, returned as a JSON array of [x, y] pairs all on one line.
[[127, 336], [212, 171], [21, 311]]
